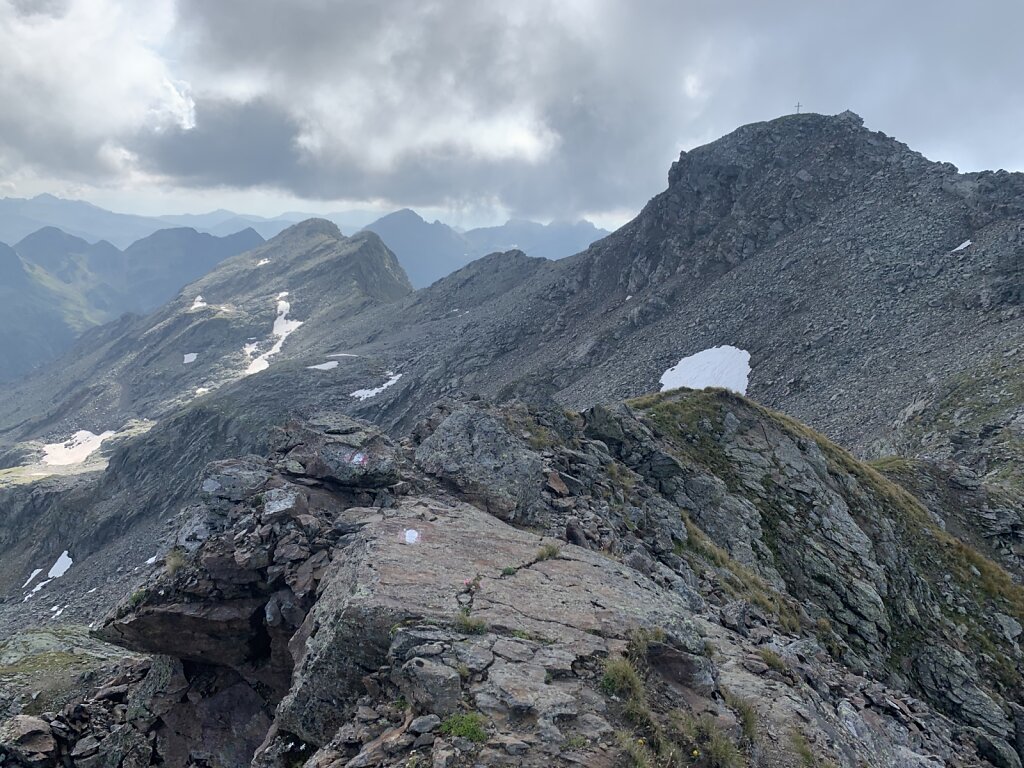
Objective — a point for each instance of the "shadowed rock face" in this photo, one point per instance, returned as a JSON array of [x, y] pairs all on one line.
[[730, 563]]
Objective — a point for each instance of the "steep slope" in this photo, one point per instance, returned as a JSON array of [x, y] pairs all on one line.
[[34, 327], [156, 267]]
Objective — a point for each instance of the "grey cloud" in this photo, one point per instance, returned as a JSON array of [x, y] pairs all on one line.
[[621, 88]]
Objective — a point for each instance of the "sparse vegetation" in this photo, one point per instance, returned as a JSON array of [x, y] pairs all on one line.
[[708, 741], [576, 742], [548, 551], [772, 659], [175, 560], [508, 571], [746, 583], [468, 625], [621, 679], [746, 714], [802, 749], [636, 750], [469, 725]]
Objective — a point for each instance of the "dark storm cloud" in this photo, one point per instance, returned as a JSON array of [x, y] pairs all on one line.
[[234, 144], [548, 108]]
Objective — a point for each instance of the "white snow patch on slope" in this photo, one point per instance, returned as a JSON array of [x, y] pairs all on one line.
[[330, 365], [343, 354], [58, 569], [200, 391], [36, 588], [725, 366], [199, 303], [262, 262], [61, 566], [75, 449], [283, 328], [35, 573], [366, 394], [190, 357], [963, 246]]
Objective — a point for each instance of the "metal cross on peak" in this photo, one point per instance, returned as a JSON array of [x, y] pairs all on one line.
[[798, 105]]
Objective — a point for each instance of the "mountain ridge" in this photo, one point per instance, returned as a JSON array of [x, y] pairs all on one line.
[[472, 496]]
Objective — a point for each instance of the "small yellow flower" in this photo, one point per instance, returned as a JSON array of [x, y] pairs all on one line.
[[641, 741], [696, 753]]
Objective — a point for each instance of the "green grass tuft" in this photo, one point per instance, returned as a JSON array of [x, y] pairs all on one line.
[[470, 725]]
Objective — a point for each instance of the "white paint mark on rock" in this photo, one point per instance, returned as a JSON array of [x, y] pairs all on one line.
[[725, 366], [412, 536]]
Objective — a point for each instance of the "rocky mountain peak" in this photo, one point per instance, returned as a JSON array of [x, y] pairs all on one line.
[[50, 237], [310, 228]]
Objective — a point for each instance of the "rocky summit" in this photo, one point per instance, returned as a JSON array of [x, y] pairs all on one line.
[[302, 514]]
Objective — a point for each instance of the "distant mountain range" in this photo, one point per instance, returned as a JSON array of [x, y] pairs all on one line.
[[427, 251], [430, 251], [74, 265], [55, 285]]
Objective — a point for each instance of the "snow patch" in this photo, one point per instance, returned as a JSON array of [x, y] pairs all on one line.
[[58, 569], [330, 365], [343, 354], [153, 560], [411, 536], [31, 578], [963, 246], [283, 328], [75, 449], [190, 357], [366, 394], [199, 303], [61, 566], [200, 391], [725, 366], [262, 262], [36, 588]]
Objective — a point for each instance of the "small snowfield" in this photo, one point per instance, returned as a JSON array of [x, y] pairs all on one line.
[[75, 449], [726, 366]]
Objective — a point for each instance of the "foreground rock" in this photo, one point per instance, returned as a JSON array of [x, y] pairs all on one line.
[[684, 577]]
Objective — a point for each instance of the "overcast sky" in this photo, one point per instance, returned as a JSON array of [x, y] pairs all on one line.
[[471, 109]]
